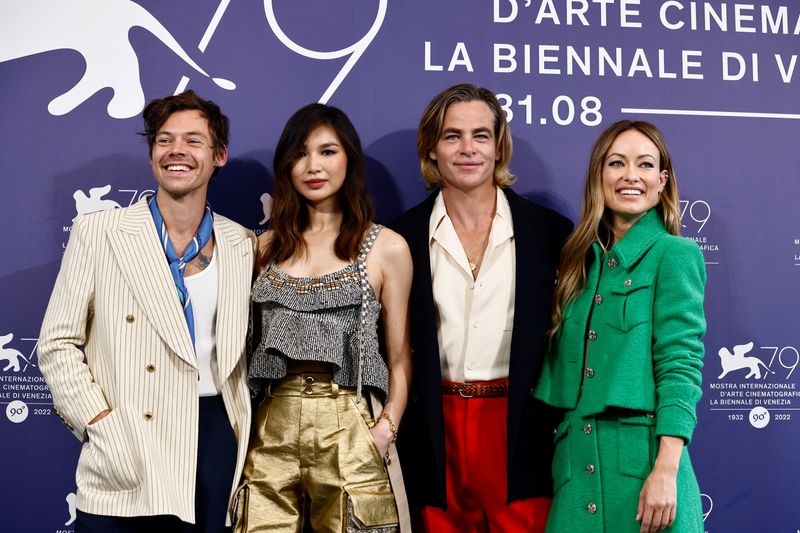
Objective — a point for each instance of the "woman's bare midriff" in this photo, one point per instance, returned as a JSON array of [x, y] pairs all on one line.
[[308, 367]]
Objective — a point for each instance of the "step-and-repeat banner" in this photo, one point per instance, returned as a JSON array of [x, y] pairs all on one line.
[[720, 78]]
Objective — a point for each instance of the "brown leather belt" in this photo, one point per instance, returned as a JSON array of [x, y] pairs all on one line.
[[475, 390]]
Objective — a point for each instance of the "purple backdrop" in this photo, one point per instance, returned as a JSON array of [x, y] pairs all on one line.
[[719, 78]]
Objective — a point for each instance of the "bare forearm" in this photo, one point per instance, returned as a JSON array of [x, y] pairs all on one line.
[[399, 381]]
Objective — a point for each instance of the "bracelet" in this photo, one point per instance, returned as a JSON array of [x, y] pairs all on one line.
[[392, 427]]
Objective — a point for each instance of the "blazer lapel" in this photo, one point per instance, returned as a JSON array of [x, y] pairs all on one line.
[[235, 260], [141, 259], [424, 318], [530, 262]]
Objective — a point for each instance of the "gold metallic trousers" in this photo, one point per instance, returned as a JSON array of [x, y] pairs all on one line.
[[311, 451]]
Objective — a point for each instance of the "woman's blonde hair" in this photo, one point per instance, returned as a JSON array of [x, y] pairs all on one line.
[[595, 223]]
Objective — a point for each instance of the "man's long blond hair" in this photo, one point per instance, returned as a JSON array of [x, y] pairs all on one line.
[[432, 123]]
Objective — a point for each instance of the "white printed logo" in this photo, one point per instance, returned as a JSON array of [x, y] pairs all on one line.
[[14, 358], [94, 202], [17, 411], [737, 361], [355, 50], [71, 508], [266, 206], [96, 29], [759, 417], [703, 499]]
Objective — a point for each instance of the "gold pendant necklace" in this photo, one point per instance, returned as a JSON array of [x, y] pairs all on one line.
[[473, 264]]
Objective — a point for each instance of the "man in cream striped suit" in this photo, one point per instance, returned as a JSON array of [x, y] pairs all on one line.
[[156, 296]]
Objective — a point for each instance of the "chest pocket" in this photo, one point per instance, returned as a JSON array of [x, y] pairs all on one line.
[[630, 303]]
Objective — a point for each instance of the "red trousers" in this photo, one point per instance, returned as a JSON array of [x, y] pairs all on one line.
[[477, 463]]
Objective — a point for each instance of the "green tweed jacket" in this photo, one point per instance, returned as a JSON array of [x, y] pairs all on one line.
[[645, 301]]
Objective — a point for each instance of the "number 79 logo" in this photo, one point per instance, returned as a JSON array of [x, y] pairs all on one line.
[[354, 51]]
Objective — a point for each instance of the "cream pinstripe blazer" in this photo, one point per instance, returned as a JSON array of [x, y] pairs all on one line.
[[115, 298]]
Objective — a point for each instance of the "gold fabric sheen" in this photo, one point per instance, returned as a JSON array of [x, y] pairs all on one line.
[[311, 452]]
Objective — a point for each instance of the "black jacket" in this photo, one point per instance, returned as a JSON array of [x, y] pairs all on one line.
[[539, 234]]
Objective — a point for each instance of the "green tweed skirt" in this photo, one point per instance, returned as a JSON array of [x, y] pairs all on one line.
[[599, 468]]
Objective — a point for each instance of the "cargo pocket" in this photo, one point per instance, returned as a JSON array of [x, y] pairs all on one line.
[[562, 456], [371, 508], [636, 445], [239, 511], [632, 305]]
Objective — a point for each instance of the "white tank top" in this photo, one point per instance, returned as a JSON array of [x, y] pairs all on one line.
[[203, 295]]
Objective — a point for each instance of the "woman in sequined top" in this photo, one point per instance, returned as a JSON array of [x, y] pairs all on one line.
[[326, 275]]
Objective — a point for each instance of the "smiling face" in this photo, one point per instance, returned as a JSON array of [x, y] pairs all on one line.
[[465, 152], [319, 170], [631, 178], [183, 157]]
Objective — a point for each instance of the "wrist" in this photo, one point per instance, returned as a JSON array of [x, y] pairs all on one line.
[[665, 467], [392, 427], [101, 415]]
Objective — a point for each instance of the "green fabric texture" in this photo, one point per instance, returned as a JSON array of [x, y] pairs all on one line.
[[598, 475], [648, 350], [640, 321]]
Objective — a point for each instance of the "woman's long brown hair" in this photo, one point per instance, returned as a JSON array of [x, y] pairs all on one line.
[[289, 210]]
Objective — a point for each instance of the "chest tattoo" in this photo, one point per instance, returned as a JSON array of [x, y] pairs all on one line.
[[201, 261]]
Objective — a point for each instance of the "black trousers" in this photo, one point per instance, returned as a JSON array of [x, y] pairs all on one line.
[[216, 462]]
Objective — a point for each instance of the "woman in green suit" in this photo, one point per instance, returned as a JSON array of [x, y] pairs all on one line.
[[626, 348]]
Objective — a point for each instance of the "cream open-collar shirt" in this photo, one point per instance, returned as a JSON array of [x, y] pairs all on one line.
[[474, 316]]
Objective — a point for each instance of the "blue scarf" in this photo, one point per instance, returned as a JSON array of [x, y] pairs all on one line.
[[177, 265]]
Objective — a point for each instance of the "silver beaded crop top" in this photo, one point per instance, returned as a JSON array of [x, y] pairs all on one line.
[[330, 319]]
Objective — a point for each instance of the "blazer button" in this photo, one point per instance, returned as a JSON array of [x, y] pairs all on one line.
[[308, 390], [650, 415], [129, 319], [613, 263], [592, 335], [627, 283], [598, 299], [590, 468], [587, 429], [589, 373], [151, 367], [592, 508], [148, 416]]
